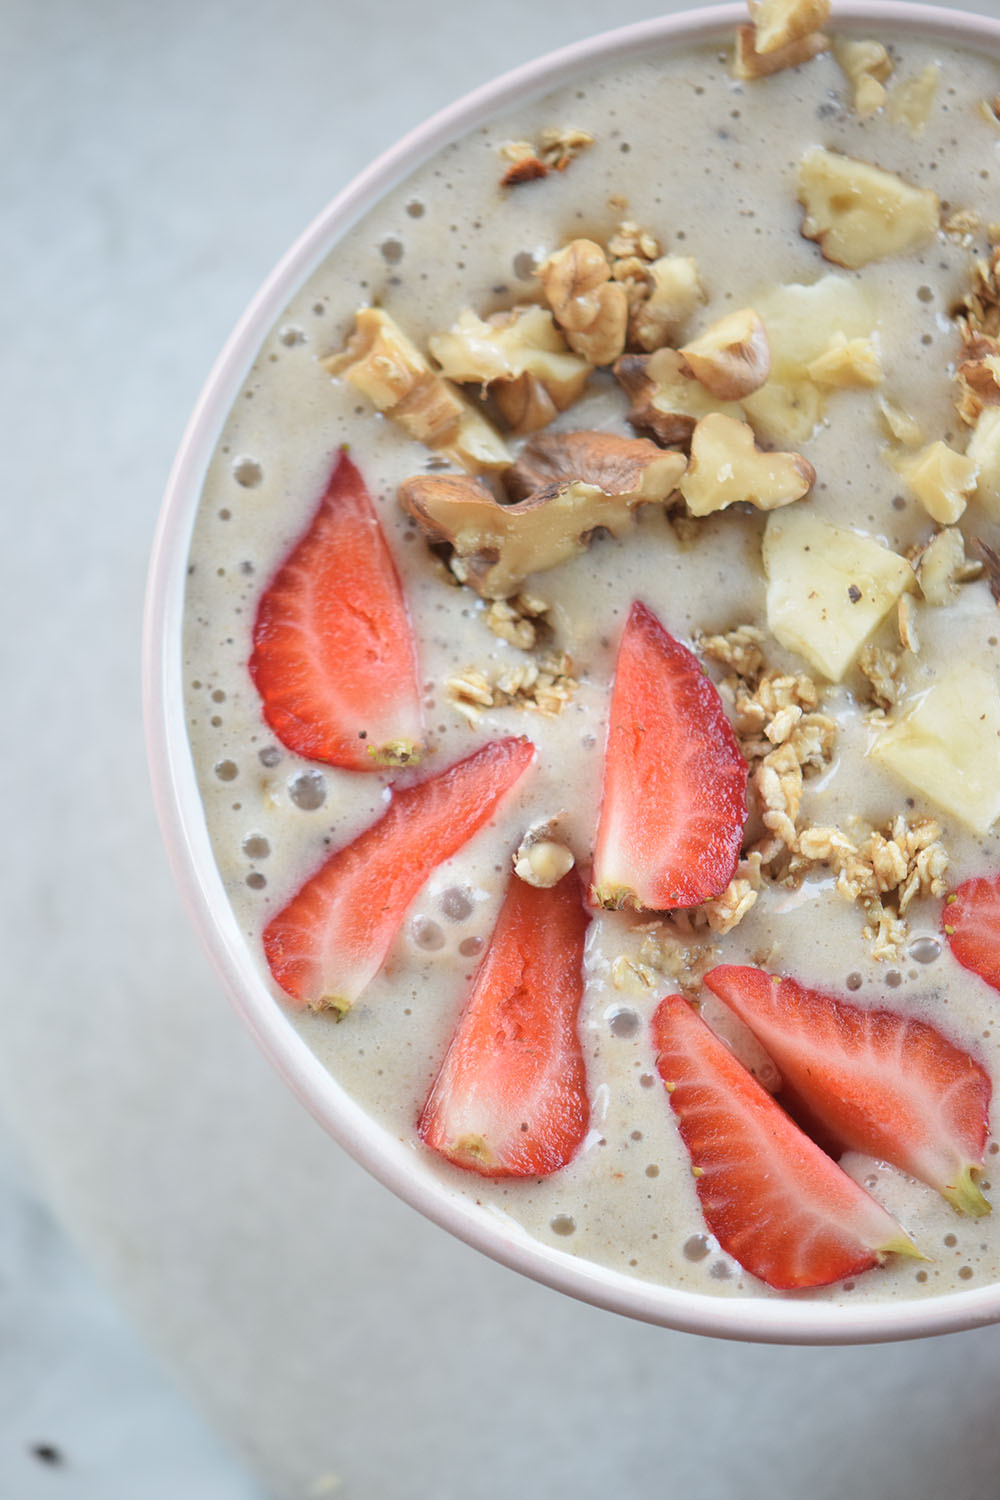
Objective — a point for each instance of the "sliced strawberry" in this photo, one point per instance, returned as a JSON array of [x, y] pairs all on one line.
[[331, 939], [675, 783], [511, 1097], [876, 1081], [971, 923], [333, 653], [771, 1197]]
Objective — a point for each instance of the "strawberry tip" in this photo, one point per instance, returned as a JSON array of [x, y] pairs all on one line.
[[966, 1196], [396, 753]]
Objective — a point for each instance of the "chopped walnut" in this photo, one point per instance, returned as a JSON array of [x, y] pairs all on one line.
[[750, 62], [521, 348], [779, 22], [732, 358], [984, 451], [978, 376], [383, 363], [868, 67], [631, 242], [590, 308], [672, 291], [555, 148], [727, 468], [667, 402], [545, 686], [495, 547], [517, 621], [616, 465], [882, 668], [942, 565]]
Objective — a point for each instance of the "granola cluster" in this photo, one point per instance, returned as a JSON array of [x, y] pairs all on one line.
[[544, 685]]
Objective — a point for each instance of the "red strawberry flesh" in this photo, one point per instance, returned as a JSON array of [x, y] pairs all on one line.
[[971, 922], [331, 939], [876, 1081], [333, 657], [510, 1099], [674, 798], [772, 1198]]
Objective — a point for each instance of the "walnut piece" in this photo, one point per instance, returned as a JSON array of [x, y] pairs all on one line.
[[984, 451], [868, 67], [942, 565], [590, 308], [522, 349], [750, 62], [978, 376], [387, 367], [616, 465], [727, 467], [497, 546], [779, 22], [732, 358], [666, 401], [859, 213], [556, 147], [941, 479], [673, 291]]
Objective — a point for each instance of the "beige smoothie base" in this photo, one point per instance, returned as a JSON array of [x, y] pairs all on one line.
[[708, 165]]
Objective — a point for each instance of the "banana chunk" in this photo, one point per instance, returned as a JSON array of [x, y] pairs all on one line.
[[946, 745], [828, 588], [859, 213]]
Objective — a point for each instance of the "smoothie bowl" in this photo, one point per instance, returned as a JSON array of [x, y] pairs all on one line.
[[573, 670]]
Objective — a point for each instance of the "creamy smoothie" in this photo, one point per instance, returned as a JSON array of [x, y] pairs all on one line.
[[697, 164]]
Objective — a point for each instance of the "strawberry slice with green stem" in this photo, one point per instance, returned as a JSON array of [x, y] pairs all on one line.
[[775, 1202], [334, 658], [332, 938], [971, 923], [674, 802], [510, 1099], [875, 1080]]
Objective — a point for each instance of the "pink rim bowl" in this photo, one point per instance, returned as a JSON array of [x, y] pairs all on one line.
[[393, 1162]]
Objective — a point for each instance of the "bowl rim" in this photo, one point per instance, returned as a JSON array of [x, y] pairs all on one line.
[[396, 1163]]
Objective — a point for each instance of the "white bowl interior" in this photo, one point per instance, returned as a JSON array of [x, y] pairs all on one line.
[[401, 1167]]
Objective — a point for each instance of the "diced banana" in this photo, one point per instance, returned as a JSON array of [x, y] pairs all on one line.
[[941, 479], [984, 452], [726, 467], [806, 324], [912, 99], [847, 362], [898, 423], [946, 745], [828, 588], [859, 213]]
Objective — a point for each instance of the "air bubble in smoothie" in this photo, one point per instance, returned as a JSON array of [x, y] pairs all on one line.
[[456, 904], [623, 1022], [248, 473], [308, 790], [428, 935]]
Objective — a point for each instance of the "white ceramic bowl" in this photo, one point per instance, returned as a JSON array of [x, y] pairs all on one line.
[[794, 1320]]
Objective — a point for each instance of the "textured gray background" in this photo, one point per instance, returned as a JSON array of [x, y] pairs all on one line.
[[155, 160]]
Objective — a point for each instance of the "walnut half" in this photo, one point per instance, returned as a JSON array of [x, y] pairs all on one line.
[[727, 467], [497, 546]]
